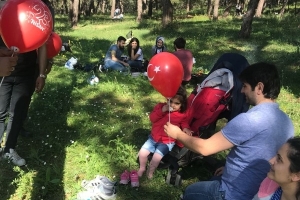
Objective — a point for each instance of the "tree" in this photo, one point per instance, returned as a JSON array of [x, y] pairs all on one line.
[[285, 2], [112, 9], [167, 17], [150, 8], [259, 8], [216, 10], [73, 12], [209, 7], [188, 3], [246, 27], [139, 10]]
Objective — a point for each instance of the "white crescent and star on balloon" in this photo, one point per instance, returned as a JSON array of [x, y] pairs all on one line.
[[156, 69]]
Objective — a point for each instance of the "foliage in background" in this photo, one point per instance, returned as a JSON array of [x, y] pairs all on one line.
[[80, 130]]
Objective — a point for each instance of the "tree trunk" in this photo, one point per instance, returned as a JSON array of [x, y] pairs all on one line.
[[283, 8], [112, 9], [216, 10], [150, 8], [92, 7], [188, 6], [167, 17], [209, 8], [139, 10], [74, 12], [65, 7], [246, 27], [103, 6], [121, 6], [259, 8]]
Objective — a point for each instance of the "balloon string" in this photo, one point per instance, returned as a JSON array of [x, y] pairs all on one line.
[[12, 55], [169, 104], [2, 80]]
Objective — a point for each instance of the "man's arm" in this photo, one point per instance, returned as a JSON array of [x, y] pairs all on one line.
[[42, 60], [214, 144], [114, 58]]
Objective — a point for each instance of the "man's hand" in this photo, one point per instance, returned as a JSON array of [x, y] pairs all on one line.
[[6, 53], [219, 171], [39, 84], [172, 130], [7, 65]]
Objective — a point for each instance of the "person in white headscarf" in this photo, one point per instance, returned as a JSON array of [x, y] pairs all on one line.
[[159, 46]]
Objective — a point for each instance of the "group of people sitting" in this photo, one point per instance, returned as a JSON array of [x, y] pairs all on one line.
[[115, 58], [263, 162]]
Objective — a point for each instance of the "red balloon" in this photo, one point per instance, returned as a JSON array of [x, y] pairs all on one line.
[[25, 25], [53, 45], [165, 73]]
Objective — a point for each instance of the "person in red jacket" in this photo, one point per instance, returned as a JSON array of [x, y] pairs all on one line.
[[158, 142]]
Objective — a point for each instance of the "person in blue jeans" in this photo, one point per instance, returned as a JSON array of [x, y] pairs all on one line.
[[15, 96], [253, 138], [113, 58]]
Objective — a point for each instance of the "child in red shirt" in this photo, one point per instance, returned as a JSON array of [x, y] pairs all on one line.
[[159, 143]]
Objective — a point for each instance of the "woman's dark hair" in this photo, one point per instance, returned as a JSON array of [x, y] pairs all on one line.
[[181, 95], [129, 47], [294, 158], [265, 73]]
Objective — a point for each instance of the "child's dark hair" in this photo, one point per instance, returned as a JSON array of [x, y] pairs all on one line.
[[181, 95]]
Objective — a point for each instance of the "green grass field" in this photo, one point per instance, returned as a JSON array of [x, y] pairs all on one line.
[[79, 130]]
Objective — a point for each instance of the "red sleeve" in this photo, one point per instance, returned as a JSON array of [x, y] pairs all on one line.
[[157, 113], [185, 122]]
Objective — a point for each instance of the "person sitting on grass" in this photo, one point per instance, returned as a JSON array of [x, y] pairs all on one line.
[[252, 137], [158, 142], [113, 59], [186, 58], [283, 179], [159, 46], [135, 53]]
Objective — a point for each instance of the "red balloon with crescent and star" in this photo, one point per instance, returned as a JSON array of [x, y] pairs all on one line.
[[165, 73]]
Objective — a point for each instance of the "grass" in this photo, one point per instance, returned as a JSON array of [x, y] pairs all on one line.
[[80, 130]]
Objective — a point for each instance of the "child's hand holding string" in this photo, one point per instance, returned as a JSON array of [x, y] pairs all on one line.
[[167, 108]]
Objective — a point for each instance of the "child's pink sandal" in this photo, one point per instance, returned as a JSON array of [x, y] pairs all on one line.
[[125, 177], [134, 179]]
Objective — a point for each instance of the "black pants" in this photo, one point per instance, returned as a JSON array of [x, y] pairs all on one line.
[[15, 96]]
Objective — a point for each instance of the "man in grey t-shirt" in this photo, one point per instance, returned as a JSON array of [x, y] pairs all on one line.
[[113, 59], [252, 137]]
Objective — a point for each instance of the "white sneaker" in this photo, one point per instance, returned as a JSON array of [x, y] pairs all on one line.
[[14, 157]]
